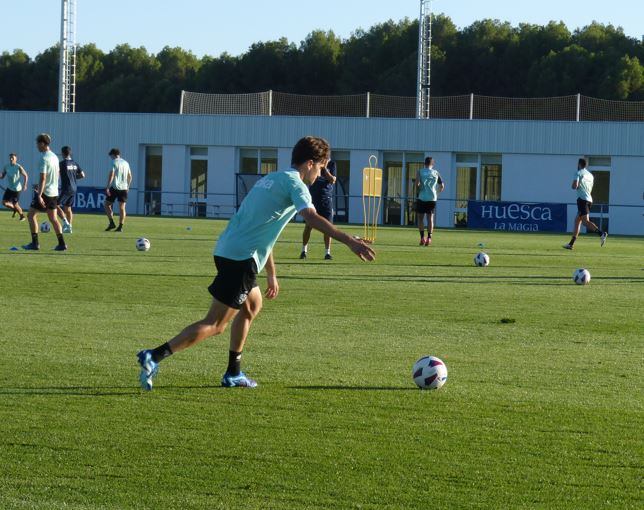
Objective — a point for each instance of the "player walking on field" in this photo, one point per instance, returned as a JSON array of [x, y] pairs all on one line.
[[429, 184], [322, 195], [46, 195], [583, 183], [118, 184], [69, 172], [244, 248], [11, 198]]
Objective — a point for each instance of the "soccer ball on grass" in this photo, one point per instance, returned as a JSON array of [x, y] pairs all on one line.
[[45, 227], [142, 244], [581, 276], [429, 373], [481, 259]]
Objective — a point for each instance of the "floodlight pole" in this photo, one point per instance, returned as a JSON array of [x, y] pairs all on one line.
[[423, 91], [67, 64]]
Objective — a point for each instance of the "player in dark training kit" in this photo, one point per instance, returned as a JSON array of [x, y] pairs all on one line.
[[322, 194], [70, 171]]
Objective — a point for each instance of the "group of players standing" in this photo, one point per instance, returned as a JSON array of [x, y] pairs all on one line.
[[56, 189]]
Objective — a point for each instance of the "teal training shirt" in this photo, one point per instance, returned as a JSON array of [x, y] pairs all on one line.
[[268, 207], [122, 171], [13, 177], [585, 182], [49, 167], [428, 179]]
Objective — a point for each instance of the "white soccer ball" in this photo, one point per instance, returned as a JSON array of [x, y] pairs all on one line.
[[429, 373], [45, 227], [581, 276], [481, 259], [142, 244]]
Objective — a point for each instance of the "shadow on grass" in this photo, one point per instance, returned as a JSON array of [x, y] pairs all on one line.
[[466, 279], [353, 388], [83, 391], [99, 391]]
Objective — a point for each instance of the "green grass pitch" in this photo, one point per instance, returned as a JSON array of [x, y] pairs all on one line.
[[540, 411]]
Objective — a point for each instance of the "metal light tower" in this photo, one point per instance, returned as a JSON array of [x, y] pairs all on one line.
[[424, 59], [67, 72]]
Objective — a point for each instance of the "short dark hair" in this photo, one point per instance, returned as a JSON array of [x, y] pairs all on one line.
[[583, 163], [43, 138], [310, 147], [13, 154], [114, 152], [428, 160], [66, 151]]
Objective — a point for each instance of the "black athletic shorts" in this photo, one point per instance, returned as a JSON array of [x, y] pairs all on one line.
[[324, 207], [50, 203], [121, 194], [66, 199], [234, 280], [423, 207], [11, 196], [583, 207]]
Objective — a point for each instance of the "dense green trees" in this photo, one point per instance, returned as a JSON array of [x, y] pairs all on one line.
[[489, 57]]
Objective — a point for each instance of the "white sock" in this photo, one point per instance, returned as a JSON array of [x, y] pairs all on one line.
[[328, 251], [305, 248]]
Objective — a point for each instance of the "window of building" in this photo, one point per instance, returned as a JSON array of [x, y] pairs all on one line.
[[599, 166], [257, 161], [476, 175], [198, 181], [248, 161], [414, 161], [153, 176], [392, 184], [268, 161], [342, 173], [490, 177]]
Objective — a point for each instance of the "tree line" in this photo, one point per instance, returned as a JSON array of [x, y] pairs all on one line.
[[489, 57]]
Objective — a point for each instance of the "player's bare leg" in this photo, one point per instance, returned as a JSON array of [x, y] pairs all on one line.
[[122, 215], [306, 237], [421, 228], [110, 215], [52, 214], [430, 228]]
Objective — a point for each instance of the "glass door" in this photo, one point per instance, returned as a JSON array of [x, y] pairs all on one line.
[[153, 173], [392, 199]]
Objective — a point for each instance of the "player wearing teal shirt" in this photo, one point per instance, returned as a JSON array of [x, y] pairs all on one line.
[[11, 198], [46, 195], [118, 184], [429, 184], [583, 185], [244, 248], [248, 235]]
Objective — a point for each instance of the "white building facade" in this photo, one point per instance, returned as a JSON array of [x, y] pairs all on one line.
[[202, 165]]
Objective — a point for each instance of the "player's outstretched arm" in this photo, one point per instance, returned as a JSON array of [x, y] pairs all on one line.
[[357, 246], [272, 285]]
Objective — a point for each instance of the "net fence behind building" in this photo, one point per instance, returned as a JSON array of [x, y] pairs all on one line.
[[468, 106], [225, 104], [319, 106], [525, 108]]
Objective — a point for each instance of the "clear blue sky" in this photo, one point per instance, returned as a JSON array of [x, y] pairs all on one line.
[[210, 27]]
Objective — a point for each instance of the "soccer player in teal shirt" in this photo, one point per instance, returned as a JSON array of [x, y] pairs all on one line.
[[583, 184], [11, 198], [429, 184], [46, 195], [244, 248]]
